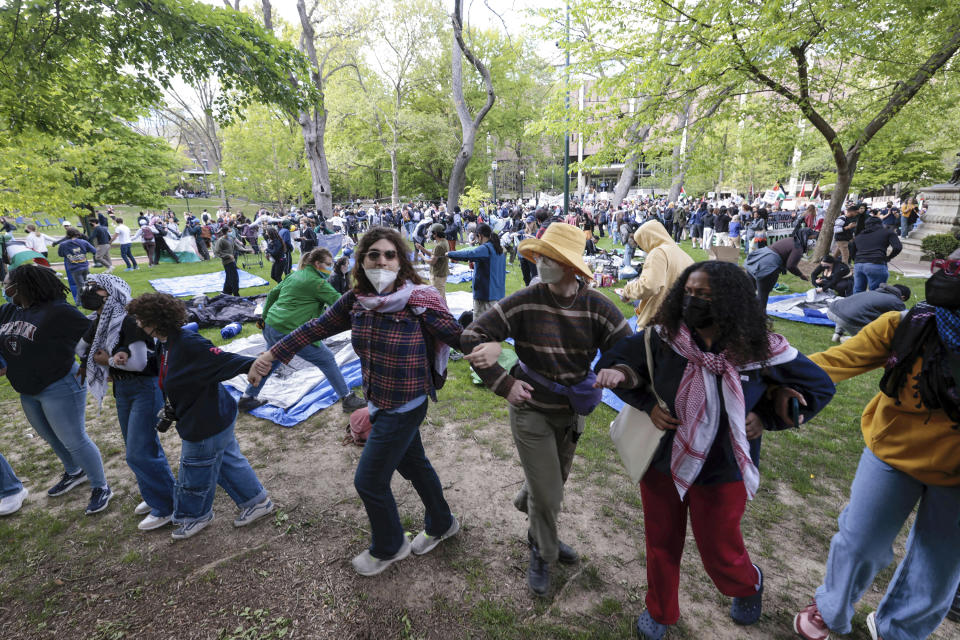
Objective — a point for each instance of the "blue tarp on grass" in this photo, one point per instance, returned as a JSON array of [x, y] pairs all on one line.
[[808, 316], [318, 398], [202, 283]]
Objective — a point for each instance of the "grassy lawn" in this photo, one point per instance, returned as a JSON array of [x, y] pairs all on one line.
[[289, 577]]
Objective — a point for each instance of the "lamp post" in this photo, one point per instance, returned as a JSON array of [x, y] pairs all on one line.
[[521, 185], [493, 166]]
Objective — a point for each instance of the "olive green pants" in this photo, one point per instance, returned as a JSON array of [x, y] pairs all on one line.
[[546, 443]]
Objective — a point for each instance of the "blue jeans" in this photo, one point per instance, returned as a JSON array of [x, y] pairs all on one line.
[[317, 355], [75, 279], [905, 227], [127, 256], [204, 465], [867, 275], [923, 586], [58, 414], [138, 401], [10, 484], [394, 444]]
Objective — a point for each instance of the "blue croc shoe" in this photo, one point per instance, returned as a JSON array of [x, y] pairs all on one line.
[[746, 611], [650, 629]]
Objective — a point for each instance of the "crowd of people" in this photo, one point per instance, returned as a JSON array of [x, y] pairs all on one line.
[[702, 362]]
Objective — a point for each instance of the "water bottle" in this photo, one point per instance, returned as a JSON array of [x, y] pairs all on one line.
[[191, 326], [231, 330]]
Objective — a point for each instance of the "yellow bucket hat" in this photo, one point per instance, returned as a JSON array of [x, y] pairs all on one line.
[[561, 242]]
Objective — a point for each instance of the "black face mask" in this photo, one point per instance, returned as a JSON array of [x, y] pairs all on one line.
[[697, 312], [90, 299], [943, 291]]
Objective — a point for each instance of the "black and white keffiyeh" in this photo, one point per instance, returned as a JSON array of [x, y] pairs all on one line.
[[110, 319]]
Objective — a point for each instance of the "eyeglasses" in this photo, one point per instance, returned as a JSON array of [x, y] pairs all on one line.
[[373, 255], [950, 267]]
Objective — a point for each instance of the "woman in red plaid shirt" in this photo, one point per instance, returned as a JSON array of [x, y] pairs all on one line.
[[402, 331]]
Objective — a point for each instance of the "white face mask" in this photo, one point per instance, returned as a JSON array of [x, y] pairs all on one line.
[[380, 278], [549, 270]]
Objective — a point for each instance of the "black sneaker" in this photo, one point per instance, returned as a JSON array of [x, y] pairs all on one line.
[[66, 483], [99, 499], [351, 403], [249, 403], [538, 573]]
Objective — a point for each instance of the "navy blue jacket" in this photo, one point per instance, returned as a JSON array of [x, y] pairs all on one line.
[[721, 465], [191, 370], [490, 271], [285, 236]]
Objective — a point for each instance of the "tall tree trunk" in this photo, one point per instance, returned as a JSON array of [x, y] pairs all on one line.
[[395, 178], [314, 126], [631, 165], [468, 124], [845, 173], [681, 153], [313, 122]]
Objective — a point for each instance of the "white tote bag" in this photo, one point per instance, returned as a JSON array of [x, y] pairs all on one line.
[[633, 432]]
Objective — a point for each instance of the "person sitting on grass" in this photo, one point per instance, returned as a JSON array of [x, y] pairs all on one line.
[[832, 275], [302, 296], [190, 372]]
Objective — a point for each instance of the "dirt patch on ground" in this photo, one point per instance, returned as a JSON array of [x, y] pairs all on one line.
[[290, 575]]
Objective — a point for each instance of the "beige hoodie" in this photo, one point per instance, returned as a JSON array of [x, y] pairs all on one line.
[[664, 263]]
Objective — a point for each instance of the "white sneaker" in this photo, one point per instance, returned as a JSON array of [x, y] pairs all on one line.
[[872, 625], [152, 522], [835, 337], [425, 543], [254, 513], [142, 509], [366, 565], [12, 504]]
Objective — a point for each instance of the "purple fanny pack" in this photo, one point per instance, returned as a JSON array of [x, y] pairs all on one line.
[[582, 396]]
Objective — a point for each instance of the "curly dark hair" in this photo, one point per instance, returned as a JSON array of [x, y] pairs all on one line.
[[407, 272], [161, 311], [37, 284], [738, 318]]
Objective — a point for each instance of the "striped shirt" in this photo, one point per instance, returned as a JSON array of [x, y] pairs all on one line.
[[556, 342], [391, 346]]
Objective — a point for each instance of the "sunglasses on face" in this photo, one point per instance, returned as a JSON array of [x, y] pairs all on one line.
[[373, 255], [950, 267]]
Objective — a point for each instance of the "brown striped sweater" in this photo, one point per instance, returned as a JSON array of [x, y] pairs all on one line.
[[557, 343]]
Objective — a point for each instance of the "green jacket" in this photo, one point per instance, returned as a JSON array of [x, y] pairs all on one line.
[[303, 295]]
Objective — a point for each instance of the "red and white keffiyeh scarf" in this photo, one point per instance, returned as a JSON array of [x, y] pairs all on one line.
[[698, 408]]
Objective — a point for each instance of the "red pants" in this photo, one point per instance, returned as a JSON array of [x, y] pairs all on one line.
[[715, 512]]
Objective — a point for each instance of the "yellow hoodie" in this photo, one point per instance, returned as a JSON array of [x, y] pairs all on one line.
[[664, 263], [901, 432]]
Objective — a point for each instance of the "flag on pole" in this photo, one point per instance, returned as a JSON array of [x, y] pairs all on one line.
[[683, 191], [779, 191], [803, 189], [751, 192], [816, 192]]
